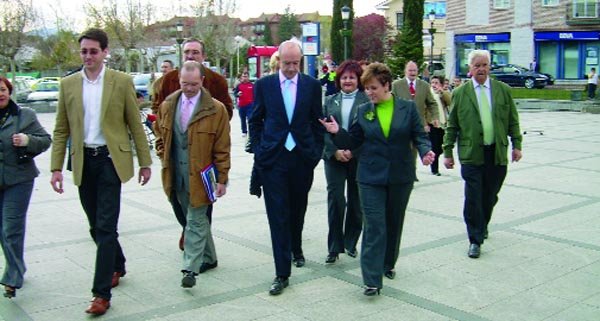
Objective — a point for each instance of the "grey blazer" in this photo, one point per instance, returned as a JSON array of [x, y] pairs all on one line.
[[333, 107], [11, 172]]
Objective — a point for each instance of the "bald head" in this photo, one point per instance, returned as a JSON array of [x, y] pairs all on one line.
[[290, 55]]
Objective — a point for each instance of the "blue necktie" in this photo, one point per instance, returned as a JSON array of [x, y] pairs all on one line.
[[289, 110]]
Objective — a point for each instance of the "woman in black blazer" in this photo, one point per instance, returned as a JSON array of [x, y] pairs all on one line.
[[343, 206], [385, 131], [21, 139]]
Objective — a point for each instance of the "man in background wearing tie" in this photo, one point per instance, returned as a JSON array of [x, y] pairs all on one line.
[[483, 115], [192, 131], [287, 141]]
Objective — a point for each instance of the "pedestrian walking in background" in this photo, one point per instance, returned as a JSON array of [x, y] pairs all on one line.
[[592, 83], [21, 139], [244, 92]]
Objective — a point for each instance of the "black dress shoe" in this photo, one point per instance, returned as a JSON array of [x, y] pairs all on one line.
[[331, 258], [207, 266], [279, 283], [369, 291], [474, 251], [390, 274], [188, 280], [352, 253], [299, 261]]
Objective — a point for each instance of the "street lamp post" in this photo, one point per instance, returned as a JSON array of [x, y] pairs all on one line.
[[431, 32], [237, 43], [179, 39], [345, 16]]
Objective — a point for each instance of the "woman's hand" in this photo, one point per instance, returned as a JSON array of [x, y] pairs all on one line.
[[428, 158], [331, 126], [20, 140]]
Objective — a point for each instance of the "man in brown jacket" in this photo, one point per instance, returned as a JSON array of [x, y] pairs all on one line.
[[216, 85], [193, 132]]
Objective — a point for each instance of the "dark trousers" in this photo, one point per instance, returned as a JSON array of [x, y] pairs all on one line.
[[245, 112], [592, 90], [436, 136], [100, 196], [180, 215], [14, 201], [482, 185], [384, 207], [343, 212], [286, 186]]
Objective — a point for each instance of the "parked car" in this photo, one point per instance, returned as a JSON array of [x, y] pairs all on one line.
[[437, 68], [21, 89], [142, 81], [44, 80], [517, 76], [46, 90]]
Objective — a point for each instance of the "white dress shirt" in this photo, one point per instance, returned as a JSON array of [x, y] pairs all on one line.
[[92, 108]]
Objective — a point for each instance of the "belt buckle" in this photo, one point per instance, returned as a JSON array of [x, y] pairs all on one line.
[[95, 152]]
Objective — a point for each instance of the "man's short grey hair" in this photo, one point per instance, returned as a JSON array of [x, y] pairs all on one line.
[[288, 43], [192, 65], [478, 53]]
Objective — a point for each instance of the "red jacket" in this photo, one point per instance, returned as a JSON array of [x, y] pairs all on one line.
[[245, 93]]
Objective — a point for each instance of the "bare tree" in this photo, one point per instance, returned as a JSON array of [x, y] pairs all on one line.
[[124, 22], [216, 29], [15, 16]]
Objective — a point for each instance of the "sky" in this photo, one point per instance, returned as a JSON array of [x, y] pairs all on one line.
[[72, 11]]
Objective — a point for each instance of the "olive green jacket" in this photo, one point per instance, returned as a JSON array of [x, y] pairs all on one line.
[[464, 124]]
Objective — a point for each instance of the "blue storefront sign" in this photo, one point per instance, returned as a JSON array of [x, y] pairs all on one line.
[[566, 35], [478, 38]]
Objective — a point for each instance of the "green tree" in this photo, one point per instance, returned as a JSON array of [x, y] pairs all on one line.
[[267, 36], [58, 51], [288, 26], [124, 22], [408, 44], [337, 25], [15, 16]]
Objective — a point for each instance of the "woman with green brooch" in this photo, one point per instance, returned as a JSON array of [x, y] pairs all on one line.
[[385, 130]]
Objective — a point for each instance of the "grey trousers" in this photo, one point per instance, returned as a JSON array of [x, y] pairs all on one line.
[[198, 245], [14, 201]]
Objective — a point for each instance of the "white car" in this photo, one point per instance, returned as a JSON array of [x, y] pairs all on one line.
[[44, 91]]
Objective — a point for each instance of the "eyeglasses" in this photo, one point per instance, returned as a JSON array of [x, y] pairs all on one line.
[[192, 52], [91, 52]]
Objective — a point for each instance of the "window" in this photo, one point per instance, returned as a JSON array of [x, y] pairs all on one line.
[[585, 8], [399, 20], [501, 4], [549, 3]]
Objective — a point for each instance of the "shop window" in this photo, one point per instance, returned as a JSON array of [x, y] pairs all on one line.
[[548, 58], [549, 3], [571, 60], [501, 4], [585, 8]]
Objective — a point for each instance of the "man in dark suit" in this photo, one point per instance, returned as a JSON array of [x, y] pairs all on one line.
[[97, 110], [483, 115], [287, 141]]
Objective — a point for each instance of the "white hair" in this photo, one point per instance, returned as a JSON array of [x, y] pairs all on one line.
[[289, 43], [478, 53]]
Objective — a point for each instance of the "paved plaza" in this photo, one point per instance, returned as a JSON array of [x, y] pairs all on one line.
[[541, 261]]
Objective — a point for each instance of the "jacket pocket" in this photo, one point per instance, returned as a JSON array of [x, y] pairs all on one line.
[[125, 147], [465, 149]]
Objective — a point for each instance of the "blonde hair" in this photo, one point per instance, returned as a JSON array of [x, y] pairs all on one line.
[[274, 63]]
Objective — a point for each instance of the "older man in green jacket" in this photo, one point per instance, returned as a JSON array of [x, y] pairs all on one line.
[[483, 117]]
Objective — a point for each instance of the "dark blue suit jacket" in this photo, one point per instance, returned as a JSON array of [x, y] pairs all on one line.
[[384, 160], [269, 125]]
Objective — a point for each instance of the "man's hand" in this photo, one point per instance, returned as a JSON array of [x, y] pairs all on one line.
[[343, 155], [57, 182], [331, 126], [221, 190], [449, 162], [427, 128], [144, 175], [516, 155], [428, 158]]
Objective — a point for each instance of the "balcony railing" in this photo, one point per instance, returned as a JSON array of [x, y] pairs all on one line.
[[583, 12]]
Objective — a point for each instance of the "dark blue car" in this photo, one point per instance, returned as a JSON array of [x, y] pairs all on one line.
[[517, 76]]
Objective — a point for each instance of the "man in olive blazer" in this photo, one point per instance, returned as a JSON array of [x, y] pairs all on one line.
[[483, 116], [97, 111], [426, 105]]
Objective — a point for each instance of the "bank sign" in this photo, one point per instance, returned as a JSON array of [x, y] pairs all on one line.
[[566, 35]]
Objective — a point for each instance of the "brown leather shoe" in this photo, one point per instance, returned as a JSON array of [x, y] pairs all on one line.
[[181, 242], [98, 306], [115, 279]]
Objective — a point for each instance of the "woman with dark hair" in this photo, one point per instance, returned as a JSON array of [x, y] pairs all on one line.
[[21, 139], [343, 212], [385, 130]]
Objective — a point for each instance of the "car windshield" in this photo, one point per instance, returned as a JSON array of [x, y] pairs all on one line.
[[47, 87]]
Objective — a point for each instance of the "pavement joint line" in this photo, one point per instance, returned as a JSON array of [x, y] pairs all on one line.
[[555, 239], [537, 189], [13, 311]]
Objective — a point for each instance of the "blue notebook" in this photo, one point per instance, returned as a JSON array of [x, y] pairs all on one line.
[[209, 177]]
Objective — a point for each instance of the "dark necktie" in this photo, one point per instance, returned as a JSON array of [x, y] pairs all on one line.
[[411, 89]]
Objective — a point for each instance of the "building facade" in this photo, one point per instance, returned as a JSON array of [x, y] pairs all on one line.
[[558, 37]]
